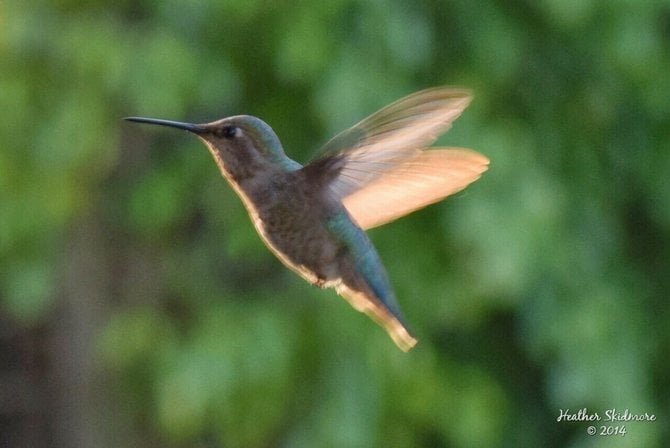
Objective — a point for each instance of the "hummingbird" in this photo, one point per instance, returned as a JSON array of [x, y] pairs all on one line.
[[313, 217]]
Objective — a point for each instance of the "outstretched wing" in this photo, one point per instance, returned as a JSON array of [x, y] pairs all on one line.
[[391, 143], [422, 180]]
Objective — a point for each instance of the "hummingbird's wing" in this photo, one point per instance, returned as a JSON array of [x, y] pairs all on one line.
[[422, 180], [382, 144]]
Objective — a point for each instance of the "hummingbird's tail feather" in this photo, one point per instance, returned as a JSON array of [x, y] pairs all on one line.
[[361, 279], [367, 303]]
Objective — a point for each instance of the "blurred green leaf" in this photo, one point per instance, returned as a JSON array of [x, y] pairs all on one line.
[[29, 286]]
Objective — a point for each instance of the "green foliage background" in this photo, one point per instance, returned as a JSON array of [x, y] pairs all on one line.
[[542, 287]]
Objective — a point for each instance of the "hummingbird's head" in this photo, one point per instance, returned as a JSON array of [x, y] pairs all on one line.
[[243, 146]]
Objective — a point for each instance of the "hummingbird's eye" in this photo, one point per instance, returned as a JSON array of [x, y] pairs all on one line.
[[229, 131]]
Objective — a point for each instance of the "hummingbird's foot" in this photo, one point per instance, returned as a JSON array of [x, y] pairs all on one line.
[[320, 282]]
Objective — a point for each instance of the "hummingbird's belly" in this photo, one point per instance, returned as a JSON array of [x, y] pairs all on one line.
[[302, 242]]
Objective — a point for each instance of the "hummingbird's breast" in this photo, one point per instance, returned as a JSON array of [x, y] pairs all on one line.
[[292, 221]]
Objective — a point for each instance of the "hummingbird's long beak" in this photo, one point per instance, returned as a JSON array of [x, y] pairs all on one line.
[[195, 128]]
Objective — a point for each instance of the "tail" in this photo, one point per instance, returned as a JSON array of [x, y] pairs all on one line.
[[364, 282], [366, 302]]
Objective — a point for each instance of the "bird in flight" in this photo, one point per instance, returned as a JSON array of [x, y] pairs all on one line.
[[313, 217]]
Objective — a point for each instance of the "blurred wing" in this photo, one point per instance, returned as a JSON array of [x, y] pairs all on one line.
[[386, 139], [424, 179]]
